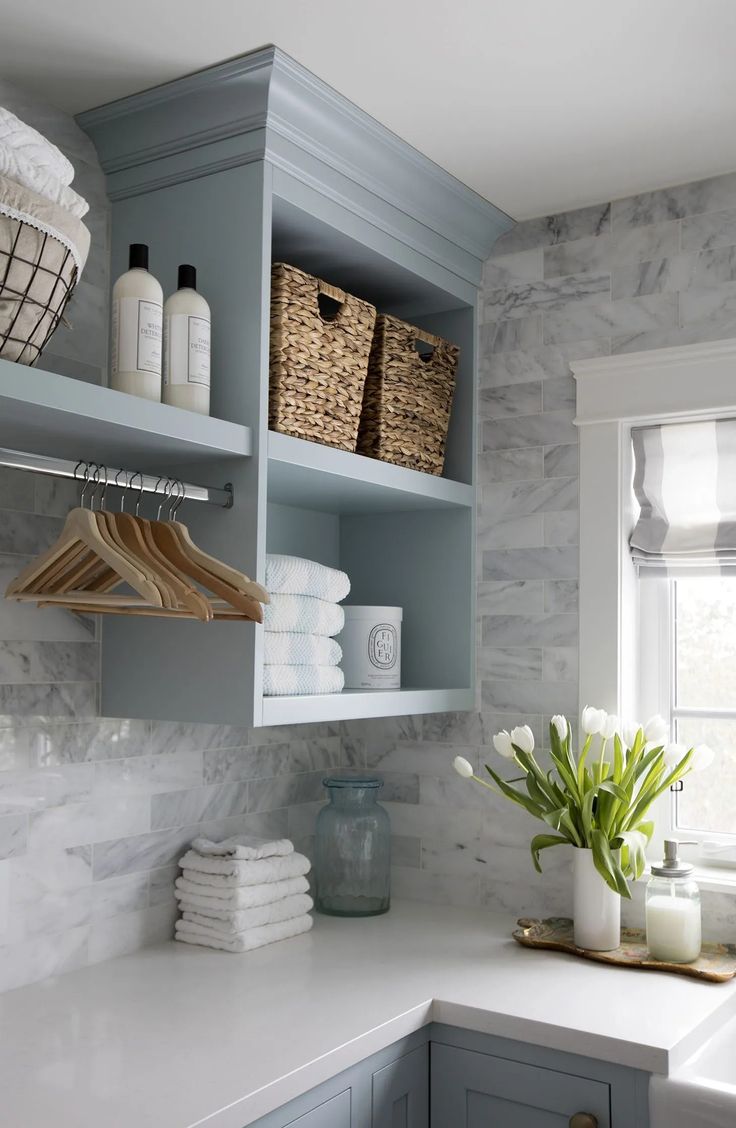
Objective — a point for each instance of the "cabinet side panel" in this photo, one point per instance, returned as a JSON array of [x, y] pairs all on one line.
[[221, 224]]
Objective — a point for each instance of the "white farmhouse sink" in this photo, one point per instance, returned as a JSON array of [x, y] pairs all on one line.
[[702, 1092]]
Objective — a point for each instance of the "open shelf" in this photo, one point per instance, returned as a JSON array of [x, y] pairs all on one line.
[[318, 477], [44, 413], [353, 703]]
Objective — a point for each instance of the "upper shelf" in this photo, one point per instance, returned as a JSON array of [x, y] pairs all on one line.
[[44, 413], [312, 476]]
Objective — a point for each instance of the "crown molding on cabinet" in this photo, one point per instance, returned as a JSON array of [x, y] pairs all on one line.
[[263, 106]]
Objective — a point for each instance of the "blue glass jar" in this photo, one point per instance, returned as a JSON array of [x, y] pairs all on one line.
[[352, 853]]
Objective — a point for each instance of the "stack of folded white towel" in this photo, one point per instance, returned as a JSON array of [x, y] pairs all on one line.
[[301, 655], [27, 158], [242, 893]]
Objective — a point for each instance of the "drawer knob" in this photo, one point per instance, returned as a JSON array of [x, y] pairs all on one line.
[[583, 1120]]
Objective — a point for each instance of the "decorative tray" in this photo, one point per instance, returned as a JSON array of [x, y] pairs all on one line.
[[716, 963]]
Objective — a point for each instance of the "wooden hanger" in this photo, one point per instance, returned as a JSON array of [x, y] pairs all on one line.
[[81, 529], [99, 550]]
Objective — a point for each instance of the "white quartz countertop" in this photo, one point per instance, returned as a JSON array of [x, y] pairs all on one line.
[[176, 1036]]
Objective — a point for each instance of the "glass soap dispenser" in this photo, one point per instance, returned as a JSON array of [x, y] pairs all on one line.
[[673, 909]]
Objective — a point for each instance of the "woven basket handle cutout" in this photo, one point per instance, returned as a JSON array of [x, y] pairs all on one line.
[[324, 290], [426, 356]]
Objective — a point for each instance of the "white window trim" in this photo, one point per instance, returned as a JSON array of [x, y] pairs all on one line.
[[614, 394]]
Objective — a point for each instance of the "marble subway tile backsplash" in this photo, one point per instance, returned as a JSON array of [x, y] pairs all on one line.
[[95, 812]]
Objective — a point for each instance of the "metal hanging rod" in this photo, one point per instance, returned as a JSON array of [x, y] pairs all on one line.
[[121, 479]]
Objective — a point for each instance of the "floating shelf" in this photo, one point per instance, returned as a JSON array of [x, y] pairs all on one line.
[[312, 476], [44, 413], [355, 703]]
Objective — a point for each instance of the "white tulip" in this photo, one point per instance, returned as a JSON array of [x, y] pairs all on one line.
[[592, 720], [656, 731], [629, 732], [610, 726], [463, 767], [560, 724], [703, 757], [523, 737], [502, 744], [674, 753]]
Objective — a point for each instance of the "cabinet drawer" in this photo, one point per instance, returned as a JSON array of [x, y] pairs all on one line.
[[475, 1090]]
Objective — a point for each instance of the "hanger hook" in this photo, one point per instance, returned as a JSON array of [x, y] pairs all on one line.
[[103, 494], [136, 474], [180, 499], [123, 488], [85, 483], [95, 479], [177, 498], [168, 486]]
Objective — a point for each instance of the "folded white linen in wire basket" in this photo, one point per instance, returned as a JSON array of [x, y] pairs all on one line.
[[303, 614], [301, 681], [290, 648], [293, 575], [29, 143]]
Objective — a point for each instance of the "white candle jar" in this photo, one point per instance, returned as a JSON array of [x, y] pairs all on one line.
[[673, 910]]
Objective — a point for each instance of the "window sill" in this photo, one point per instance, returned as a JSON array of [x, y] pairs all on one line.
[[716, 879], [711, 879]]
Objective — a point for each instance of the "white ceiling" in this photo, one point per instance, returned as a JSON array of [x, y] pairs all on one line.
[[540, 105]]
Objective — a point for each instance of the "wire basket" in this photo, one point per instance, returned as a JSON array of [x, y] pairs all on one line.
[[318, 363], [408, 396], [38, 274]]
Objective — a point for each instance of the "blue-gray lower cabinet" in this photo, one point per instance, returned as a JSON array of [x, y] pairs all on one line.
[[332, 1113], [444, 1077], [388, 1090], [472, 1090], [400, 1092]]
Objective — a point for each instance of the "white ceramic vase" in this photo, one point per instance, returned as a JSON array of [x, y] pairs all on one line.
[[596, 907]]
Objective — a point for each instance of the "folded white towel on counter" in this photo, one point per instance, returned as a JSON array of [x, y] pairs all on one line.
[[240, 919], [225, 873], [206, 899], [293, 575], [301, 681], [303, 614], [242, 941], [18, 135], [246, 847], [289, 648], [16, 167]]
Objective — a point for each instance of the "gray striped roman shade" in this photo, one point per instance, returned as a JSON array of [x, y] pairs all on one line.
[[685, 483]]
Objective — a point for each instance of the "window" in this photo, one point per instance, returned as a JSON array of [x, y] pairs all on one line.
[[702, 698], [665, 642]]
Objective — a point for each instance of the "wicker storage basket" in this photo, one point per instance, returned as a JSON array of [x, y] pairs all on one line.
[[408, 396], [318, 367]]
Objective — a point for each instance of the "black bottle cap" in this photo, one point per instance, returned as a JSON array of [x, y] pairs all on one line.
[[138, 256], [187, 277]]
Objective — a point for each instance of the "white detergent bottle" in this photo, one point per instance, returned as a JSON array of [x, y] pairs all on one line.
[[187, 346], [137, 321]]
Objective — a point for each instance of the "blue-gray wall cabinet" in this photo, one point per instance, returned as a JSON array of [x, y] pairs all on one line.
[[255, 161]]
